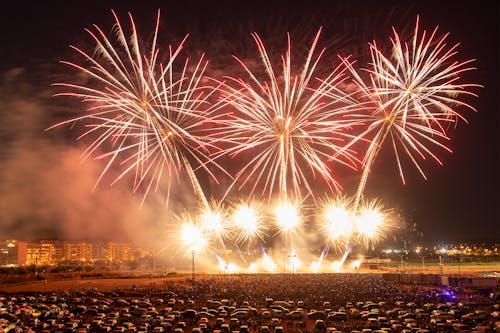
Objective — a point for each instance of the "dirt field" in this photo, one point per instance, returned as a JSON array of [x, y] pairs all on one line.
[[85, 284], [103, 284], [463, 269]]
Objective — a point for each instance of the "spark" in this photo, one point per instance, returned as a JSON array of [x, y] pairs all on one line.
[[227, 268]]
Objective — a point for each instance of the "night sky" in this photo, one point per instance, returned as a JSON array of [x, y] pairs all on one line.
[[46, 190]]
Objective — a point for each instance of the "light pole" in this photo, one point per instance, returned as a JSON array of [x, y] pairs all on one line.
[[6, 252], [402, 265], [284, 260], [292, 259], [193, 253], [154, 263]]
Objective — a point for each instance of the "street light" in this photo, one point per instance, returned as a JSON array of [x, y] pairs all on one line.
[[402, 265], [193, 238], [284, 260], [292, 257], [193, 252]]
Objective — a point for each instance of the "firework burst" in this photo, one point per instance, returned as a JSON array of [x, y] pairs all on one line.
[[335, 220], [289, 220], [213, 219], [371, 223], [290, 124], [247, 221], [150, 116], [288, 217], [413, 98], [344, 225], [191, 236]]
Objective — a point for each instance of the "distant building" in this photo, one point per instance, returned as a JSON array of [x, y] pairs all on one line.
[[54, 252], [99, 252], [77, 252], [58, 254], [40, 253], [13, 253], [120, 252]]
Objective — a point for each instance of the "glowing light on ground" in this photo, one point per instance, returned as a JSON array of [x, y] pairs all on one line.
[[268, 263], [356, 264], [231, 268], [227, 268], [315, 266], [337, 266]]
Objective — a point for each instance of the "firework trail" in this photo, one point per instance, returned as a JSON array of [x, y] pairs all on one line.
[[150, 116], [289, 123]]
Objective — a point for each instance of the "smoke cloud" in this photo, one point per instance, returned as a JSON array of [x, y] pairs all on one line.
[[46, 189]]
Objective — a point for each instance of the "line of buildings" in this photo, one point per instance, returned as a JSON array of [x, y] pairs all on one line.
[[17, 253]]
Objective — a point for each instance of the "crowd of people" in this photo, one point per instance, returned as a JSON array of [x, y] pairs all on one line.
[[258, 303]]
